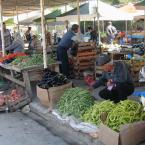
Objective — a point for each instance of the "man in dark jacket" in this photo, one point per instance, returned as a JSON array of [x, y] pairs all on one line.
[[63, 46], [118, 83]]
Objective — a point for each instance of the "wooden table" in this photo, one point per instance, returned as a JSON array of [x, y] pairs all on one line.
[[29, 74], [119, 55]]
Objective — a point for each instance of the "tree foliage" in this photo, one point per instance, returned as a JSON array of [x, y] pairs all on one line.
[[119, 1]]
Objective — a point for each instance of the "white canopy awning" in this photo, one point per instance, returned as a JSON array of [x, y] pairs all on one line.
[[106, 12]]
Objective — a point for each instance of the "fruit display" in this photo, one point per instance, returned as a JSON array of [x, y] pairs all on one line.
[[75, 101], [14, 96], [52, 79], [2, 100]]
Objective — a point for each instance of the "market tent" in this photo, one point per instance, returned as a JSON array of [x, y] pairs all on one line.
[[25, 6], [10, 7], [108, 12], [87, 13], [9, 21], [130, 8], [71, 15], [49, 17], [141, 6]]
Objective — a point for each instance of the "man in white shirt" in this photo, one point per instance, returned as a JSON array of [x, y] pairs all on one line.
[[111, 33]]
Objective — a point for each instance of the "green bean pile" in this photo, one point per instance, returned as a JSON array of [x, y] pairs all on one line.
[[28, 61], [75, 101], [127, 111], [94, 114]]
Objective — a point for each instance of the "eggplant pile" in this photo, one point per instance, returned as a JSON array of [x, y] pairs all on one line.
[[52, 79]]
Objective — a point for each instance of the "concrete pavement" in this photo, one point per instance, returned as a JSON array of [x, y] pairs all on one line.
[[18, 129]]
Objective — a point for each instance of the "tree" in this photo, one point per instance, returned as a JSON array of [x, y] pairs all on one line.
[[113, 2]]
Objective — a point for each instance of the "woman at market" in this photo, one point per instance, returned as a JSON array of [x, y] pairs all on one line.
[[118, 81], [17, 45], [66, 42]]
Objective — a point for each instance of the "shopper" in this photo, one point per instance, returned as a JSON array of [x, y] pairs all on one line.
[[118, 82], [111, 33], [28, 35], [92, 34], [7, 37], [17, 45], [63, 46]]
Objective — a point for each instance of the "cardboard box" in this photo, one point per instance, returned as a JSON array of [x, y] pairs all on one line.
[[50, 97], [131, 134]]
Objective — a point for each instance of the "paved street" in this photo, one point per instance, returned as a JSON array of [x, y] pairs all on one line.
[[17, 129]]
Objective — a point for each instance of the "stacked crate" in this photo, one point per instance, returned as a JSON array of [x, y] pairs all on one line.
[[85, 59], [99, 71]]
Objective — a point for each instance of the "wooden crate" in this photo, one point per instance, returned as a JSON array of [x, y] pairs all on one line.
[[13, 106], [3, 108], [85, 59]]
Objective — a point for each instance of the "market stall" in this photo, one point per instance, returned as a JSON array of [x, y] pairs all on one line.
[[76, 107], [22, 69]]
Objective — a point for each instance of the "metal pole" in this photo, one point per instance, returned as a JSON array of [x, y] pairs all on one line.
[[2, 29], [17, 19], [94, 23], [43, 33], [144, 26], [98, 22], [84, 27], [78, 12], [103, 26], [126, 26]]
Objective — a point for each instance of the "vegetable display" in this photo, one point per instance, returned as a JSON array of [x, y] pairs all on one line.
[[97, 111], [10, 57], [125, 112], [75, 101], [52, 79], [28, 61]]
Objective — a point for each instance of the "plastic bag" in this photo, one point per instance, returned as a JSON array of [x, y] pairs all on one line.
[[142, 75]]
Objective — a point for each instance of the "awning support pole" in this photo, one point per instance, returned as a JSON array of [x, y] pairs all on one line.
[[43, 33], [99, 40], [78, 11], [17, 19], [144, 26], [84, 27], [103, 27], [126, 26], [2, 30]]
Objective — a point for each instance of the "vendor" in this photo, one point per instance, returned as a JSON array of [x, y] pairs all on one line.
[[17, 45], [63, 46], [118, 81]]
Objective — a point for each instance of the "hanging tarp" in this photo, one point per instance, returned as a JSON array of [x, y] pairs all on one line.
[[49, 17]]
